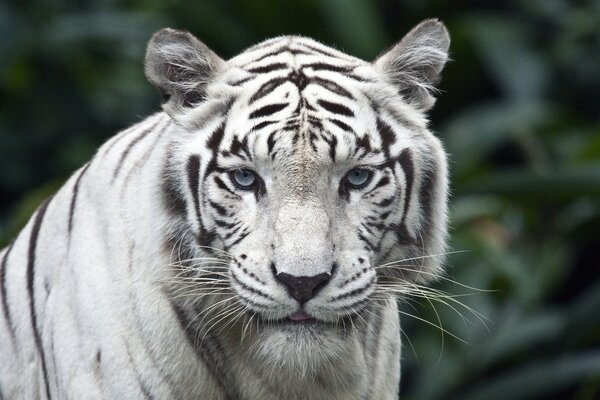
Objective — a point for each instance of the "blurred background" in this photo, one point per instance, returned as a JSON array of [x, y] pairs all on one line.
[[519, 114]]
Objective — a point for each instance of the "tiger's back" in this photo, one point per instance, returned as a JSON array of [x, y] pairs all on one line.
[[158, 271]]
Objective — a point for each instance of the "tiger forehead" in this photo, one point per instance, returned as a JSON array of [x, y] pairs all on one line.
[[293, 124], [293, 48]]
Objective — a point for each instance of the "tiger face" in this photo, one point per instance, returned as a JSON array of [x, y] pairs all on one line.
[[310, 175]]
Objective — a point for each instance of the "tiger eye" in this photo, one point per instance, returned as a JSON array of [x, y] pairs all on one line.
[[358, 177], [244, 178]]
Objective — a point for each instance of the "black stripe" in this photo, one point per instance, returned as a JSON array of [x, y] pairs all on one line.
[[3, 293], [388, 138], [353, 292], [382, 182], [366, 241], [405, 160], [237, 145], [251, 289], [143, 386], [319, 50], [267, 110], [210, 352], [376, 323], [342, 125], [336, 108], [35, 231], [131, 144], [218, 208], [267, 88], [232, 232], [141, 159], [240, 81], [363, 143], [332, 147], [193, 177], [426, 199], [332, 87], [74, 198], [271, 53], [213, 143], [117, 139], [224, 186], [262, 124], [241, 237], [321, 66], [173, 200], [226, 225], [268, 68]]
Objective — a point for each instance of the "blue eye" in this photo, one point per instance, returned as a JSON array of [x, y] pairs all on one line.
[[244, 178], [358, 177]]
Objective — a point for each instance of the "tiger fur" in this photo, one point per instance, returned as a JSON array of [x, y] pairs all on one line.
[[237, 245]]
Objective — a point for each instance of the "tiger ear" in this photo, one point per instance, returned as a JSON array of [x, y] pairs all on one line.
[[180, 66], [415, 63]]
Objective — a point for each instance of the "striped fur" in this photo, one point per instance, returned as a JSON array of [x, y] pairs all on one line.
[[151, 274]]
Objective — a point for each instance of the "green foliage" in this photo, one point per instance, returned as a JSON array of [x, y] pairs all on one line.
[[519, 115]]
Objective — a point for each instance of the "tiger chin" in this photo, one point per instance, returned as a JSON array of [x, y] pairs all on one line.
[[247, 242]]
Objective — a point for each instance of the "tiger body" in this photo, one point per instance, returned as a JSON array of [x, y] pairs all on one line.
[[153, 273]]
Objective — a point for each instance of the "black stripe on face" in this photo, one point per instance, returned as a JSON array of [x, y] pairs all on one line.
[[336, 108], [223, 186], [332, 87], [218, 208], [382, 182], [321, 66], [426, 199], [193, 176], [388, 138], [341, 125], [319, 50], [251, 289], [386, 202], [268, 68], [267, 110], [263, 124], [240, 237], [173, 200], [3, 292], [271, 142], [213, 143], [35, 231], [267, 88], [269, 54], [406, 163], [370, 246], [363, 143], [74, 198], [333, 147]]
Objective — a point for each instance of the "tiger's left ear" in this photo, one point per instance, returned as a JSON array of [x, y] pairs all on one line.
[[415, 63], [181, 66]]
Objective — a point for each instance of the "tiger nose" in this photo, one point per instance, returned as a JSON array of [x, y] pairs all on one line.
[[303, 288]]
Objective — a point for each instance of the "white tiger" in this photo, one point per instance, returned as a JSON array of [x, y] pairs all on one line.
[[235, 245]]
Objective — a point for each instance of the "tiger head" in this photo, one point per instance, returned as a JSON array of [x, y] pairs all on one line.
[[309, 176]]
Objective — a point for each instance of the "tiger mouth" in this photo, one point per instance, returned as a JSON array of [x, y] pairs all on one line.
[[300, 319]]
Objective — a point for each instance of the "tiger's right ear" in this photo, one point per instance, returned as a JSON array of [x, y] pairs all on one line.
[[180, 66]]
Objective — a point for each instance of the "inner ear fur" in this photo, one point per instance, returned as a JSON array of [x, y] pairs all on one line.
[[415, 63], [180, 66]]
